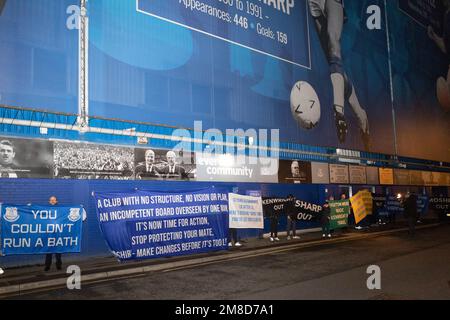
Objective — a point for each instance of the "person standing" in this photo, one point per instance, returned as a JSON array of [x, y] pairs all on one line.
[[375, 210], [233, 238], [53, 201], [410, 211], [49, 256], [274, 226], [392, 215], [325, 219], [291, 218]]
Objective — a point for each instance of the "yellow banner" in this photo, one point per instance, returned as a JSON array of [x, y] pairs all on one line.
[[361, 205]]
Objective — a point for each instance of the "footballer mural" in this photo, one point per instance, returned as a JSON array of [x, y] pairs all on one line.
[[311, 68], [329, 17]]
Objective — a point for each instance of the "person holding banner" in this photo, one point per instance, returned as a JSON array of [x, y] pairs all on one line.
[[291, 218], [325, 219], [351, 216], [375, 210], [49, 256], [274, 226], [410, 211], [53, 201], [233, 238]]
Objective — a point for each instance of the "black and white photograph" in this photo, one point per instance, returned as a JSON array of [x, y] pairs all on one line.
[[25, 158], [294, 172], [157, 164], [93, 161]]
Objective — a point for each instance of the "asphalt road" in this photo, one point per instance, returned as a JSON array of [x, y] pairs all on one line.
[[416, 268]]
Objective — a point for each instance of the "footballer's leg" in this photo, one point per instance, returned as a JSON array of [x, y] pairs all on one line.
[[343, 88], [317, 10], [361, 115], [2, 5], [335, 22]]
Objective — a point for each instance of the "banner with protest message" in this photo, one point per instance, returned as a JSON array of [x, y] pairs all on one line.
[[246, 212], [41, 229], [380, 201], [274, 206], [393, 205], [307, 211], [422, 204], [361, 205], [339, 211], [440, 204], [368, 201], [143, 224]]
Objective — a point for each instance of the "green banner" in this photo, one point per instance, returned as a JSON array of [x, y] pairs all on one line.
[[339, 211]]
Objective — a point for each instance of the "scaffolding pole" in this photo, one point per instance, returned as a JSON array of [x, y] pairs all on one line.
[[83, 69]]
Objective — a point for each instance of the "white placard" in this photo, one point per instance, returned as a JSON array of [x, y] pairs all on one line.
[[246, 212]]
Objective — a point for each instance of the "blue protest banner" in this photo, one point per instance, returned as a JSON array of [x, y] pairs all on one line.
[[380, 204], [393, 205], [422, 204], [41, 229], [143, 224]]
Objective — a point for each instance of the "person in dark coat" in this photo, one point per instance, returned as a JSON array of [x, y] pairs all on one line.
[[325, 218], [274, 226], [53, 201], [291, 218], [410, 212], [48, 257]]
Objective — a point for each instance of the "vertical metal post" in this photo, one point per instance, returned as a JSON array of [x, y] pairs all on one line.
[[391, 80], [83, 69]]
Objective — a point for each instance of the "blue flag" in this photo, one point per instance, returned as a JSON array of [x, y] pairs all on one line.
[[142, 224], [422, 204], [41, 229]]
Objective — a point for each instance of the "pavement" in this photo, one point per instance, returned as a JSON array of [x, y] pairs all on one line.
[[32, 279], [416, 276]]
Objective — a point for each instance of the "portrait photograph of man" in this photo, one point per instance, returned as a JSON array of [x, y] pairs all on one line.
[[147, 169], [23, 158], [294, 172]]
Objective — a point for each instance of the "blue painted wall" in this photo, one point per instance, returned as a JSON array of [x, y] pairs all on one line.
[[37, 191]]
